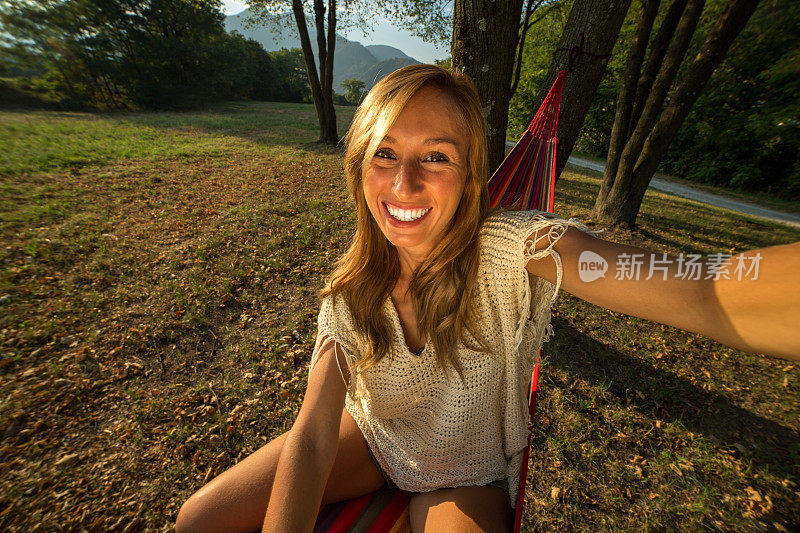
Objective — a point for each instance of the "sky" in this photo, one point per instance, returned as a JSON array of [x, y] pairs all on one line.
[[383, 33], [232, 7]]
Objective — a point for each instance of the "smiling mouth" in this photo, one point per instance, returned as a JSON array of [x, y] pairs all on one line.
[[405, 215]]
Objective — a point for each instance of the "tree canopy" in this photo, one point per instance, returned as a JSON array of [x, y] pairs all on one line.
[[164, 54], [354, 90]]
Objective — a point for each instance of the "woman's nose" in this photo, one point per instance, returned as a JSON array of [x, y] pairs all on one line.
[[407, 181]]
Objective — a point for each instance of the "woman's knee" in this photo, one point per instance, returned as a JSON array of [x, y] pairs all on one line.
[[195, 514], [222, 506], [236, 499]]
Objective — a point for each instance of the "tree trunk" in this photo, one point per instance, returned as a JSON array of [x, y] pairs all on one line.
[[325, 47], [332, 135], [627, 93], [485, 34], [600, 22], [324, 109], [625, 198], [311, 67], [657, 96]]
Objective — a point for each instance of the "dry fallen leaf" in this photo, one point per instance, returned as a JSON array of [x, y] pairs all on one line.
[[753, 494], [67, 460]]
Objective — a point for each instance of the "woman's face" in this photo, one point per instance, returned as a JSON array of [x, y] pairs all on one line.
[[413, 182]]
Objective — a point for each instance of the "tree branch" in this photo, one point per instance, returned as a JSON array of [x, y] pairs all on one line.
[[551, 7], [529, 9], [657, 50]]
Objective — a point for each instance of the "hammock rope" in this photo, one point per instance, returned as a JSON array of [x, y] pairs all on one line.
[[578, 52]]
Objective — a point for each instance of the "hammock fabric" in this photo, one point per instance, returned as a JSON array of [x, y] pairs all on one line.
[[524, 181], [526, 177], [383, 511]]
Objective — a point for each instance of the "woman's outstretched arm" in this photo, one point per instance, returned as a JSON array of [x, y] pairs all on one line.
[[310, 448], [749, 301]]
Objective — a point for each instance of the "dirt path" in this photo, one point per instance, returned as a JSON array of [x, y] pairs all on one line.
[[683, 191]]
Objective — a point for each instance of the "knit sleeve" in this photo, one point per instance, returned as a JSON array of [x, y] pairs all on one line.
[[509, 240], [335, 324], [513, 238]]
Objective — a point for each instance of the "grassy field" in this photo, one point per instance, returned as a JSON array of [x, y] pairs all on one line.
[[158, 297]]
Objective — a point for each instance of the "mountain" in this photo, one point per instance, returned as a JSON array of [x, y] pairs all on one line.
[[351, 59], [383, 52], [376, 72], [270, 40]]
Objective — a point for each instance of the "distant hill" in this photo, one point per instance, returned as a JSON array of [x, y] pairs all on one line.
[[383, 52], [376, 72], [351, 59]]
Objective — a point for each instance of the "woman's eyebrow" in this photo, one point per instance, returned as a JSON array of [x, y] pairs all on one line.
[[432, 140], [440, 140]]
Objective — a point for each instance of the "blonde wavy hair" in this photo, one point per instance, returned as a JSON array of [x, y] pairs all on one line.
[[442, 287]]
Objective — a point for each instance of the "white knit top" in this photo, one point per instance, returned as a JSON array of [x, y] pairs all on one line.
[[428, 433]]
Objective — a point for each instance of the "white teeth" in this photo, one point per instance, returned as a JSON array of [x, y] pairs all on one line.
[[406, 215]]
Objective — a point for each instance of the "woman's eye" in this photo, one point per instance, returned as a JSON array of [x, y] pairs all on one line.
[[384, 154], [436, 158]]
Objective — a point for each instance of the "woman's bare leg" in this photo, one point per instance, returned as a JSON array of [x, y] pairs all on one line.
[[462, 509], [236, 500]]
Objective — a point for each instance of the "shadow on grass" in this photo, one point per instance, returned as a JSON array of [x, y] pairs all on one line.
[[771, 446], [262, 123]]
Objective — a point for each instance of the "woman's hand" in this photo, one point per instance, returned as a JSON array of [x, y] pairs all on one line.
[[749, 301]]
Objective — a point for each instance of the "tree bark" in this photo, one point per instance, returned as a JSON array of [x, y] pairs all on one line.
[[627, 93], [484, 40], [600, 22], [625, 199]]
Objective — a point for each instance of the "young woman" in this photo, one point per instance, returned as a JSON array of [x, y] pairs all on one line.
[[429, 324]]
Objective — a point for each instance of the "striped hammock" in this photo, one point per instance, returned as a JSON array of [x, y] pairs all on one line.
[[383, 511], [527, 176], [524, 181]]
